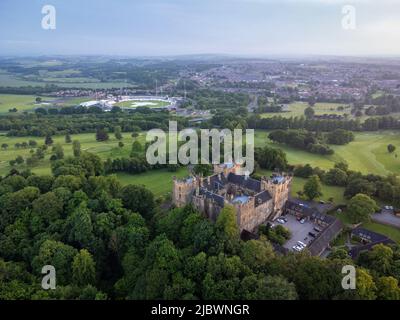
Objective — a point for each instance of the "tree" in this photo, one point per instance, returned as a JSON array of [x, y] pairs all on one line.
[[391, 148], [257, 254], [138, 199], [76, 148], [313, 188], [120, 144], [19, 159], [388, 288], [83, 269], [38, 99], [365, 285], [58, 151], [68, 138], [47, 208], [336, 177], [309, 112], [48, 140], [360, 208], [80, 227], [136, 148], [57, 254], [101, 134], [32, 143], [227, 228], [4, 146], [267, 288], [203, 169], [117, 133]]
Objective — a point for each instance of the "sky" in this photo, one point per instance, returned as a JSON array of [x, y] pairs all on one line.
[[178, 27]]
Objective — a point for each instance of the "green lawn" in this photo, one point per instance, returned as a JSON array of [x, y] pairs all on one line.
[[10, 80], [392, 232], [296, 109], [368, 153], [107, 149], [21, 102], [328, 191], [158, 181]]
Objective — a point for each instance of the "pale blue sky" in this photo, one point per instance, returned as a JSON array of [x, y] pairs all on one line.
[[170, 27]]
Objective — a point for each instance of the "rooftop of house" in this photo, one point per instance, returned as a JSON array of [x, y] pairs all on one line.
[[374, 238]]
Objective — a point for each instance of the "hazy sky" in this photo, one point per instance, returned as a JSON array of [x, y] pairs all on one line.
[[169, 27]]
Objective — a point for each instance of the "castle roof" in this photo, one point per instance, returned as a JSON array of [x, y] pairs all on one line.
[[246, 182], [210, 195], [262, 197]]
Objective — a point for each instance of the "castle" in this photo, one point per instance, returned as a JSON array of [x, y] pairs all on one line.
[[255, 201]]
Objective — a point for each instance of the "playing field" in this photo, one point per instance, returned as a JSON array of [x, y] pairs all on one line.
[[296, 109], [367, 153], [143, 103]]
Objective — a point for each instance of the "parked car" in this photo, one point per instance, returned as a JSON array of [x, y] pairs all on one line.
[[302, 221], [317, 229], [280, 220], [284, 219], [301, 244], [297, 248], [312, 234]]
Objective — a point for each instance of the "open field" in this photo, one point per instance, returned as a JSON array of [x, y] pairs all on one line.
[[28, 102], [367, 153], [21, 102], [157, 181], [328, 191], [9, 80], [108, 149], [296, 109]]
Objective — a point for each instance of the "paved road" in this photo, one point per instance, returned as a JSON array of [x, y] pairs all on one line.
[[387, 217]]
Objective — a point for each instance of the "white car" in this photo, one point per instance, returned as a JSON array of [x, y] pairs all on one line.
[[301, 244], [302, 221], [281, 221], [297, 248]]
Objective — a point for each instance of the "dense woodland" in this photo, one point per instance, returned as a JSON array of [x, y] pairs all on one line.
[[112, 242]]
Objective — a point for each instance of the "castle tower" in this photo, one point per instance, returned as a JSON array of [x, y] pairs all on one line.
[[279, 188], [183, 190]]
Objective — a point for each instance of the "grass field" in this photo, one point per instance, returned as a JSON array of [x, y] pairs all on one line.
[[296, 109], [28, 102], [368, 153], [9, 80], [392, 232], [157, 181], [21, 102], [108, 149], [328, 191]]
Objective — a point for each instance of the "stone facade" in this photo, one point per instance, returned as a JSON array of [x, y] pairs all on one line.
[[255, 201]]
